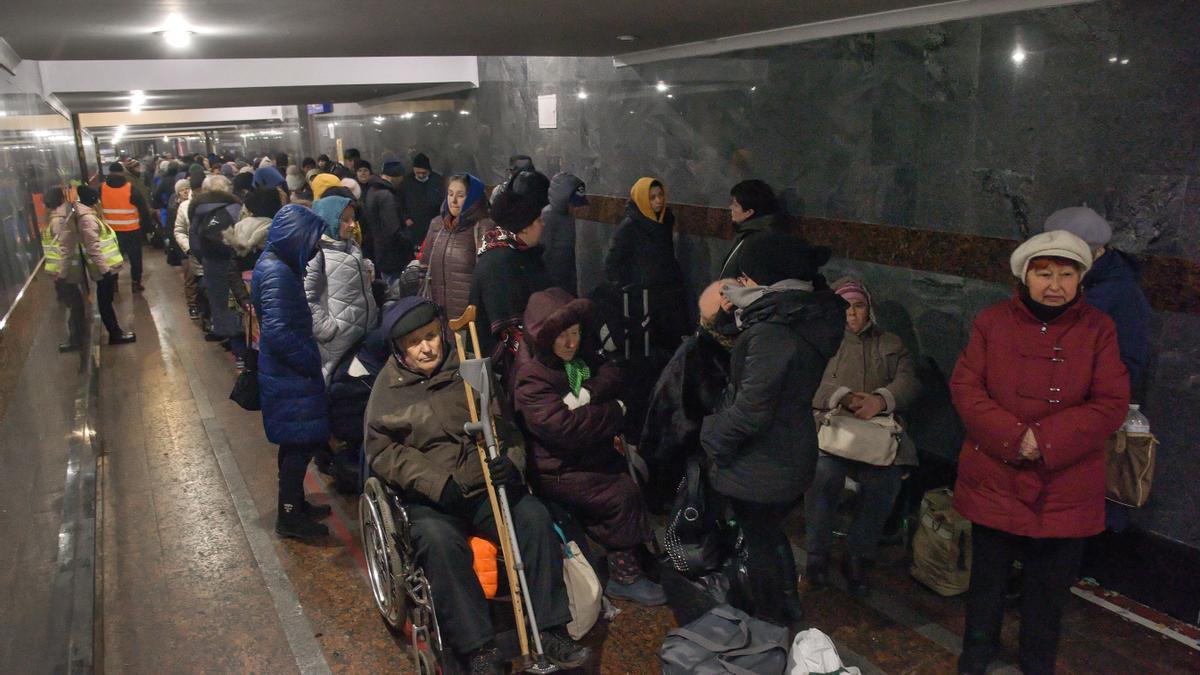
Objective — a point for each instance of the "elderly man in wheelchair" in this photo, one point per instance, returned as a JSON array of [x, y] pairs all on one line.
[[428, 487]]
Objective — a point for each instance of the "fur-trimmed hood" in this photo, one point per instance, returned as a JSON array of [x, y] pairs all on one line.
[[548, 313], [247, 235]]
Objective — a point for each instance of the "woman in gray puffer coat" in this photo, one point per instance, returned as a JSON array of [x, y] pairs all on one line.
[[872, 374], [338, 285]]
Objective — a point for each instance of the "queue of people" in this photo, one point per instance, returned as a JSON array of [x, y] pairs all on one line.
[[348, 358]]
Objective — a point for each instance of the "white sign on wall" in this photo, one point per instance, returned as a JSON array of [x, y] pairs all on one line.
[[548, 111]]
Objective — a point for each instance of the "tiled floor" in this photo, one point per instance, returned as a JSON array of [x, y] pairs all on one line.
[[182, 591]]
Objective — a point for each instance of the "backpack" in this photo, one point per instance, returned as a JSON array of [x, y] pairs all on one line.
[[725, 640], [942, 545]]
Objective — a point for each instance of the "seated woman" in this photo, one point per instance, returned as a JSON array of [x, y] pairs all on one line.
[[567, 397], [338, 285], [415, 441], [871, 374]]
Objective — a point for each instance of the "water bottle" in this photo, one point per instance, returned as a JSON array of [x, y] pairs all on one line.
[[1135, 421]]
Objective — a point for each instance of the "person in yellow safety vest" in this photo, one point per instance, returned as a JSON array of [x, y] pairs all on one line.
[[128, 213], [74, 230]]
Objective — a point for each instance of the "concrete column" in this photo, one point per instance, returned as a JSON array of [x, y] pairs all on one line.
[[307, 138], [208, 143]]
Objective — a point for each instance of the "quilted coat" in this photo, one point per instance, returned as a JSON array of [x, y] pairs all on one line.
[[1064, 380], [762, 439], [564, 440], [449, 251], [289, 363], [338, 288]]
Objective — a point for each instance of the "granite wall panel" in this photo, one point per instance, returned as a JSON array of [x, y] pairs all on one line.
[[885, 143]]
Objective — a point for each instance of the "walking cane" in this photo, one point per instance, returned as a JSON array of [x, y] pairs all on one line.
[[476, 375]]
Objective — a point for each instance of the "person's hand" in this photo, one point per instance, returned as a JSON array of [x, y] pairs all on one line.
[[503, 471], [1029, 447], [865, 406], [408, 222]]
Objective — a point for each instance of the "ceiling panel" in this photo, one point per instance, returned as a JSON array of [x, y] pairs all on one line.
[[124, 29], [102, 101]]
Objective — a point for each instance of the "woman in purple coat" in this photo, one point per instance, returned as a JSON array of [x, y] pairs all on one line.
[[566, 396]]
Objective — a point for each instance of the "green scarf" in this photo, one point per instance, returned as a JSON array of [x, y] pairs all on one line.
[[577, 373]]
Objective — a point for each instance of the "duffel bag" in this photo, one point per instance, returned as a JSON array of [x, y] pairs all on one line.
[[725, 640]]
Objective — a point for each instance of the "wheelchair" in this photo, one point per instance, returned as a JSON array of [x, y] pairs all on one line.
[[401, 592]]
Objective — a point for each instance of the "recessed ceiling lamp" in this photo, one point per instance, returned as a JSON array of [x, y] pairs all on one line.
[[175, 32], [378, 119], [1019, 55], [407, 116], [582, 95], [136, 98], [627, 38], [464, 113], [662, 86]]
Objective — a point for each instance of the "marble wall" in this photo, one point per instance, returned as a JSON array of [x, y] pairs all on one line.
[[936, 128]]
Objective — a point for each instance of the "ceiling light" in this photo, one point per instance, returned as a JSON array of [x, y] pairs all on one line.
[[435, 116], [626, 38], [1112, 59], [175, 32], [1018, 55], [3, 113], [166, 139], [464, 112], [754, 88], [662, 86], [121, 129], [582, 95], [1125, 61], [406, 116], [137, 96], [378, 119], [135, 110], [670, 95]]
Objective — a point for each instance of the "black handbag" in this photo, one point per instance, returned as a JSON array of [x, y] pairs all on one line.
[[697, 537], [245, 391]]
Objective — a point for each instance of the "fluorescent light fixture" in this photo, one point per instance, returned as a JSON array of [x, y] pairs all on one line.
[[1019, 55], [662, 86], [464, 113], [627, 38]]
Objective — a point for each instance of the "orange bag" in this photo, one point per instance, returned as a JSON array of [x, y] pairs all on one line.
[[484, 553]]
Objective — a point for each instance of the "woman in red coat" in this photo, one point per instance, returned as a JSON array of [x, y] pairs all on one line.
[[1039, 388], [566, 397]]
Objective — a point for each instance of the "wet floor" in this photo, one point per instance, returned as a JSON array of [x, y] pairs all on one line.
[[191, 578]]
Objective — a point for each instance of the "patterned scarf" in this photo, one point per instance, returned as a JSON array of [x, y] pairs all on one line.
[[498, 237], [577, 373]]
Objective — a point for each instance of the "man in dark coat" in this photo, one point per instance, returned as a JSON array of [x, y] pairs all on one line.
[[762, 441], [393, 250], [421, 195], [292, 388], [566, 191]]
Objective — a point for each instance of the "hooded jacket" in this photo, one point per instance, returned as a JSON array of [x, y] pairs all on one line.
[[209, 215], [449, 250], [762, 439], [1112, 286], [732, 267], [1063, 380], [246, 239], [422, 202], [338, 288], [565, 440], [393, 249], [414, 424], [872, 361], [558, 239], [78, 231], [291, 386]]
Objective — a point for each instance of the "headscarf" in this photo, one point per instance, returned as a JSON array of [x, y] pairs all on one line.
[[475, 192], [267, 176], [182, 183], [640, 194], [322, 182], [330, 210]]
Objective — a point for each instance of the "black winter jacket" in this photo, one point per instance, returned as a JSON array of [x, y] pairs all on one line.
[[762, 440], [421, 202], [558, 240], [392, 247], [642, 254]]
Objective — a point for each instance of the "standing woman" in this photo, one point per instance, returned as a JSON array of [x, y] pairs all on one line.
[[294, 406], [1039, 388], [761, 441], [338, 285], [642, 254], [754, 210], [450, 246]]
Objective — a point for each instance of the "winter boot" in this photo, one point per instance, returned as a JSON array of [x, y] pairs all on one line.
[[855, 568], [485, 661], [562, 650], [816, 569], [316, 511], [293, 522]]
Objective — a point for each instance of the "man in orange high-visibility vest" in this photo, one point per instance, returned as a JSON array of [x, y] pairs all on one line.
[[126, 212]]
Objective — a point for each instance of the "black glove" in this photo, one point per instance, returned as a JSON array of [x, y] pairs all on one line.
[[452, 496], [503, 471]]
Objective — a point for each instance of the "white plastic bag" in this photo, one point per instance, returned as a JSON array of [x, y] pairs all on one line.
[[813, 653], [583, 591]]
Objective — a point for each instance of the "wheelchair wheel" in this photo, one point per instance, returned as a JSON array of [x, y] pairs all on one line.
[[384, 565]]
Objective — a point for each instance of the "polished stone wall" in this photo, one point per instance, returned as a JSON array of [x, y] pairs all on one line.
[[935, 129]]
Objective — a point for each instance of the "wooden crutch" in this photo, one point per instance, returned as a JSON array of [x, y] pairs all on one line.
[[500, 511]]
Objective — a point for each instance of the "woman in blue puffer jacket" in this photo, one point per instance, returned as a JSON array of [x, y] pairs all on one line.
[[292, 389]]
